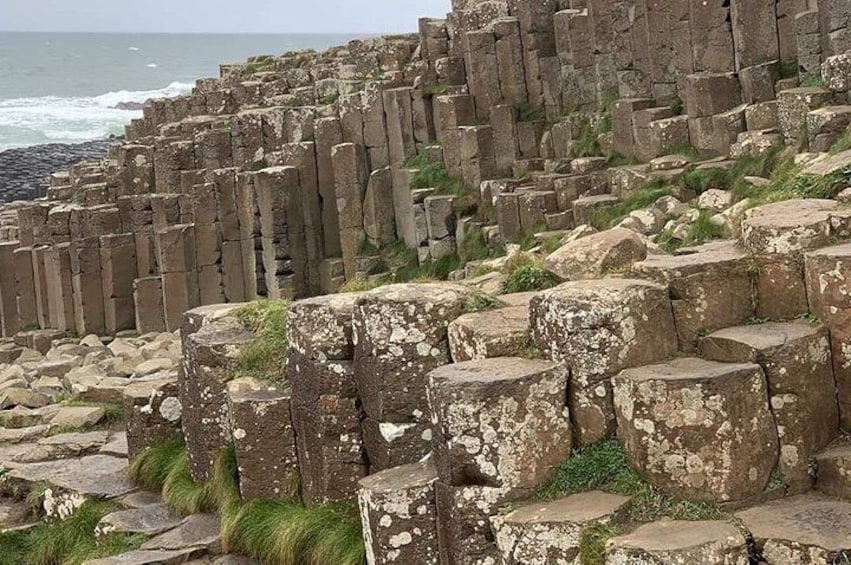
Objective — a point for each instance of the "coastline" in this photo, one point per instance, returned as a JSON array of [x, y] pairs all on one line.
[[24, 170]]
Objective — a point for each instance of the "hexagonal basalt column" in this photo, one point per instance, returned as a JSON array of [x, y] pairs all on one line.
[[778, 234], [499, 422], [494, 333], [263, 439], [698, 430], [795, 357], [152, 414], [550, 533], [212, 342], [827, 272], [326, 410], [670, 542], [397, 509], [597, 328], [710, 288], [400, 334]]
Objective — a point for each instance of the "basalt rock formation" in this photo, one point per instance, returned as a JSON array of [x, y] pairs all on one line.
[[601, 145]]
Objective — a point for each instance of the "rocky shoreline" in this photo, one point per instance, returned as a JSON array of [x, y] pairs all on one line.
[[23, 171]]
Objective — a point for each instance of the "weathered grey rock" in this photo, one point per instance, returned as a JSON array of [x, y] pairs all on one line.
[[795, 357], [597, 255], [710, 288], [551, 532], [597, 328], [78, 416], [198, 530], [499, 422], [398, 513], [22, 397], [152, 414], [63, 446], [503, 332], [800, 529], [150, 557], [670, 542], [150, 520], [400, 334], [682, 425], [834, 469]]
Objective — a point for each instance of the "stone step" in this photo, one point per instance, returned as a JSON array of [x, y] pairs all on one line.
[[801, 529], [834, 469], [551, 532], [670, 541], [198, 530], [150, 520], [494, 333], [150, 557]]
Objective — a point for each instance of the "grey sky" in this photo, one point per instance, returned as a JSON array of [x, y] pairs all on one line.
[[258, 16]]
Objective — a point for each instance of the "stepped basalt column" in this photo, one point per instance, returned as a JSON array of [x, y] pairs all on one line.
[[326, 411], [400, 335]]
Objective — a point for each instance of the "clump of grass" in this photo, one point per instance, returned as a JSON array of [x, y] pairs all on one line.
[[550, 244], [474, 247], [813, 80], [605, 466], [361, 284], [701, 180], [606, 217], [607, 101], [151, 468], [266, 357], [677, 106], [842, 144], [587, 144], [290, 534], [592, 543], [434, 89], [482, 302], [436, 176], [68, 542], [525, 273]]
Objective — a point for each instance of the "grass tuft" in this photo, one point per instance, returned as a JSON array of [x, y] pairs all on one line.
[[436, 176], [482, 302], [525, 273], [266, 357], [702, 230], [151, 469], [604, 466], [68, 542], [592, 543], [606, 217]]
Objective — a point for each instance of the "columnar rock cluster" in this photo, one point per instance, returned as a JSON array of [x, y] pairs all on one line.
[[721, 370]]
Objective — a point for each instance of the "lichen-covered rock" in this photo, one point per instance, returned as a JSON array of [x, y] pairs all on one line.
[[398, 512], [399, 335], [321, 327], [778, 234], [804, 529], [670, 542], [263, 439], [463, 519], [795, 357], [834, 469], [503, 332], [499, 422], [152, 413], [698, 430], [597, 328], [826, 274], [710, 288], [211, 357], [550, 533], [597, 254]]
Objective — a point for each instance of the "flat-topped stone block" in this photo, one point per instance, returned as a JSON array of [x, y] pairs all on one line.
[[399, 517], [698, 430], [263, 439], [795, 357], [494, 333], [710, 288], [152, 413], [800, 529], [551, 532], [149, 520], [668, 541], [499, 422], [597, 328], [834, 469]]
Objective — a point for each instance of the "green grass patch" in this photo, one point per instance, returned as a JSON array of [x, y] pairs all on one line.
[[482, 302], [266, 357], [528, 113], [551, 244], [701, 231], [525, 273], [434, 89], [701, 180], [842, 144], [607, 216], [436, 176], [604, 466], [677, 106], [813, 80], [361, 284], [68, 542], [592, 542], [587, 144]]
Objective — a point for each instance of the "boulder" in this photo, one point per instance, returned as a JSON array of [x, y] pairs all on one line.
[[503, 332], [597, 254], [12, 397], [593, 327], [150, 520], [78, 416], [698, 430]]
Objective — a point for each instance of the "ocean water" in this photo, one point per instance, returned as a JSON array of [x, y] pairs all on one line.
[[64, 87]]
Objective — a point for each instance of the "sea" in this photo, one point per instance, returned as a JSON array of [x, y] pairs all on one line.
[[69, 87]]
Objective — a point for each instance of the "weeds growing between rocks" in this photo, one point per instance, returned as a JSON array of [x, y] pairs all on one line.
[[525, 273], [266, 357], [607, 217]]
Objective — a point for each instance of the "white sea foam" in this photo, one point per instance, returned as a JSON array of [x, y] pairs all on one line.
[[132, 48], [152, 65], [28, 121]]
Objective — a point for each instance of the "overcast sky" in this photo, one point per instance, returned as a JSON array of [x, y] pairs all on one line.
[[219, 16]]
